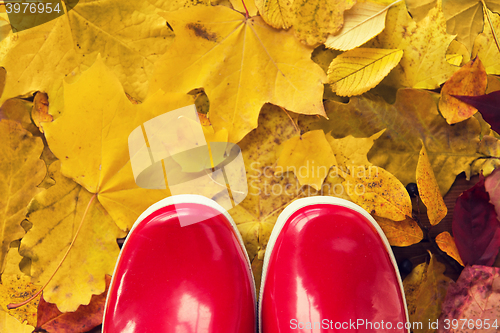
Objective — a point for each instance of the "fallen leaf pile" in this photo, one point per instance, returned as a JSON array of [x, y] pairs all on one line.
[[359, 100]]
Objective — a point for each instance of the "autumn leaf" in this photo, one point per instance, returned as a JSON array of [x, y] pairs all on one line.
[[492, 186], [362, 22], [425, 289], [94, 152], [464, 19], [447, 244], [420, 8], [55, 214], [487, 105], [240, 6], [313, 20], [428, 189], [400, 233], [129, 35], [309, 156], [40, 111], [83, 319], [351, 151], [424, 44], [9, 324], [378, 192], [357, 71], [469, 80], [241, 64], [413, 117], [476, 227], [21, 170], [476, 296]]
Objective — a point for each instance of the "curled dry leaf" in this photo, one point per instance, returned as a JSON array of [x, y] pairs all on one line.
[[309, 156], [447, 244], [378, 192], [469, 80], [476, 227], [429, 190], [475, 296], [357, 71]]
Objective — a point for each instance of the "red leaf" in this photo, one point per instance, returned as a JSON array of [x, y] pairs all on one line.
[[488, 105], [475, 226], [475, 298], [492, 185], [85, 318]]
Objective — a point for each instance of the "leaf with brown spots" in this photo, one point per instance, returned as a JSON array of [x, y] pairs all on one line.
[[400, 233]]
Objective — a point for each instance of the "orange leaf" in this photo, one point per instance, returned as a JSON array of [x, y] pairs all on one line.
[[40, 112], [83, 319], [446, 243], [400, 233], [470, 80], [429, 189]]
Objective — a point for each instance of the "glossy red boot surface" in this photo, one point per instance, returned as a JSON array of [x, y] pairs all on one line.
[[182, 269], [327, 269]]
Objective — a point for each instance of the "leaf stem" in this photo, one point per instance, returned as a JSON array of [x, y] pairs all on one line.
[[246, 10], [294, 125], [17, 305], [485, 9]]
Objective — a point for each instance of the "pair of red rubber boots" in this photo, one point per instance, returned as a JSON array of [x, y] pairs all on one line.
[[184, 269]]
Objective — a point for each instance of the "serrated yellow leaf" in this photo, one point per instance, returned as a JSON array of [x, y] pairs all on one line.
[[21, 170], [362, 22], [241, 64], [357, 71], [446, 243], [91, 140], [378, 192], [55, 214], [423, 65], [428, 189], [309, 157], [278, 14]]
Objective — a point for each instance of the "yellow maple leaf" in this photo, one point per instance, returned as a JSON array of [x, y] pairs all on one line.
[[362, 22], [469, 80], [21, 170], [313, 20], [400, 233], [308, 156], [485, 47], [378, 192], [425, 289], [357, 71], [464, 19], [424, 44], [420, 8], [55, 214], [9, 324], [241, 64], [351, 151], [446, 243], [129, 34], [91, 140], [428, 189]]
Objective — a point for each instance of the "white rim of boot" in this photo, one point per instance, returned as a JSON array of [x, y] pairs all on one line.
[[181, 199], [303, 202]]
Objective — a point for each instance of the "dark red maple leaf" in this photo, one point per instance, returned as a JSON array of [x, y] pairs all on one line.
[[475, 226]]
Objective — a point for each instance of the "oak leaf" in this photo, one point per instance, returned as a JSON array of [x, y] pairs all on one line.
[[413, 117], [357, 71], [130, 35], [469, 80], [313, 20], [21, 170], [425, 289], [447, 244], [362, 22], [476, 296], [378, 192], [400, 233], [309, 153], [424, 44], [428, 189], [94, 152], [476, 227], [241, 64]]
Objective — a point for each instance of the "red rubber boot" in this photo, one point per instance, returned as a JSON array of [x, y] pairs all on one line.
[[329, 268], [183, 268]]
